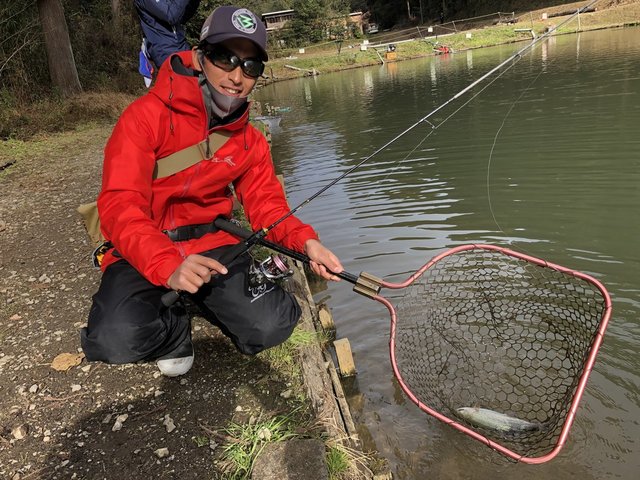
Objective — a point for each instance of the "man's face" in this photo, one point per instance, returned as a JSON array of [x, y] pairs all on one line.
[[234, 83]]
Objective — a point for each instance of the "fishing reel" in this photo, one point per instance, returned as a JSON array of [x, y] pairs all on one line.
[[270, 269]]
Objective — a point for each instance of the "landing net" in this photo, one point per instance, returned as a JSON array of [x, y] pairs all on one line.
[[486, 330]]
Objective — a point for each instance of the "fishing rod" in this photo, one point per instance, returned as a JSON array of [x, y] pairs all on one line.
[[247, 243]]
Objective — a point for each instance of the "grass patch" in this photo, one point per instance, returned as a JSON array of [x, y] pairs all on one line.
[[19, 156], [248, 440], [201, 441], [346, 463], [23, 121], [284, 357], [337, 463]]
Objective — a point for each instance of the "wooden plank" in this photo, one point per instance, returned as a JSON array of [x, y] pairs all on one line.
[[326, 319], [344, 405], [314, 367], [345, 357]]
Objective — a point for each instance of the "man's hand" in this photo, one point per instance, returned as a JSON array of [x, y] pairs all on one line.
[[193, 272], [323, 261]]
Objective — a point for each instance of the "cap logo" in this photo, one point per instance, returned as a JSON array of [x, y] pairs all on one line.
[[244, 20]]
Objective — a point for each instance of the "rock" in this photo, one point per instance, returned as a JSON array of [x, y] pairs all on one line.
[[162, 452], [120, 419], [168, 423], [264, 434], [293, 459], [20, 431], [75, 388]]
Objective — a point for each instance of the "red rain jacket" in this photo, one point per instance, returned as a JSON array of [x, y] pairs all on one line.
[[134, 209]]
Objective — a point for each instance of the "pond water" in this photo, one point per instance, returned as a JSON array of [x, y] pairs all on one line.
[[545, 160]]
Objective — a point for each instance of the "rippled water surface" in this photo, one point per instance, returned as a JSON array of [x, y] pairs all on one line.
[[546, 161]]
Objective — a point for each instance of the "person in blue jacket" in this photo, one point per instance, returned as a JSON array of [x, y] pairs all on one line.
[[162, 23]]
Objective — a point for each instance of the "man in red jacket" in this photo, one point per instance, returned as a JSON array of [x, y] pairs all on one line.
[[161, 229]]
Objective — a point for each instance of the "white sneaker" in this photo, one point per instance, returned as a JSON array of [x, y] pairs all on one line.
[[174, 367]]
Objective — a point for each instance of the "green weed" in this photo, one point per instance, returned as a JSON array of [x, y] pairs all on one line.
[[248, 441], [201, 441], [285, 355], [337, 463]]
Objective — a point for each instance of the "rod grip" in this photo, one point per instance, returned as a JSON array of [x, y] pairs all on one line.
[[226, 259], [170, 298], [234, 229]]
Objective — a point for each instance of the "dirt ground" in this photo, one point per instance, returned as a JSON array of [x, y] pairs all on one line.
[[96, 421]]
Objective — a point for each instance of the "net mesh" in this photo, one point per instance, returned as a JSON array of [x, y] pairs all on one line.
[[483, 329]]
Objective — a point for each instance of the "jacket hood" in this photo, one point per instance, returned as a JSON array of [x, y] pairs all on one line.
[[178, 88]]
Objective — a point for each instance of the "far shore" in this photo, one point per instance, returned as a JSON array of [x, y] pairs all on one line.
[[417, 41]]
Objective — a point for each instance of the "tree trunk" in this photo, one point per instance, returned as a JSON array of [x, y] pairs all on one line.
[[62, 66], [115, 13]]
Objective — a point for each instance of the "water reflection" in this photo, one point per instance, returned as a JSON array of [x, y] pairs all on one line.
[[545, 160]]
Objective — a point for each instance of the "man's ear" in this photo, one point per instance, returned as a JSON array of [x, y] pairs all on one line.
[[197, 58]]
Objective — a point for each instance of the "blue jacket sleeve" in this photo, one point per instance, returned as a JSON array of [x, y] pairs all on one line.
[[173, 12]]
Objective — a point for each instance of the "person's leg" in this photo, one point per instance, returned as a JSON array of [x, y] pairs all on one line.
[[128, 323], [254, 319]]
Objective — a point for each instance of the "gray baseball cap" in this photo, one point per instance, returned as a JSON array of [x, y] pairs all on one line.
[[234, 22]]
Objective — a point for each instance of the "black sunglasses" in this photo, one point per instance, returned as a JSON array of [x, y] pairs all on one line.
[[228, 61]]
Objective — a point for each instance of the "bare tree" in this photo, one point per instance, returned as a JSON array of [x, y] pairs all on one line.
[[62, 66]]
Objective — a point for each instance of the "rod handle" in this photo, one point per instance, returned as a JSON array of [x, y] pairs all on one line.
[[226, 259], [234, 229]]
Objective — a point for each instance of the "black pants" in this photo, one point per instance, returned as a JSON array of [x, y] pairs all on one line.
[[128, 323]]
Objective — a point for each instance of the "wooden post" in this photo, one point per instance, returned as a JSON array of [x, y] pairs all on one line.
[[326, 319], [345, 357]]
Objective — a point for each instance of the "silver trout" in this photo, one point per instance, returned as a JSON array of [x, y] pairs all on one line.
[[483, 417]]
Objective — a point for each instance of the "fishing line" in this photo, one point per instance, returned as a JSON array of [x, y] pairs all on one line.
[[493, 146], [513, 58], [495, 140], [434, 127], [500, 68]]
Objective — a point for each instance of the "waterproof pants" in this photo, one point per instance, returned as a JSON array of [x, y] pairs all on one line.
[[128, 323]]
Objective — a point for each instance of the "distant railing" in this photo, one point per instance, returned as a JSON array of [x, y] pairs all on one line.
[[426, 30]]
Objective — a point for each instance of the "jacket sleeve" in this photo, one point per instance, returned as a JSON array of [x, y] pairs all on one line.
[[124, 203], [173, 12], [263, 198]]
